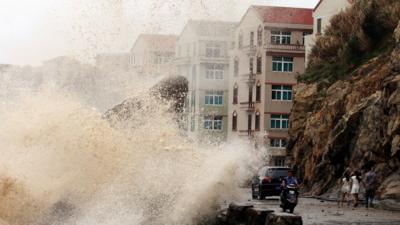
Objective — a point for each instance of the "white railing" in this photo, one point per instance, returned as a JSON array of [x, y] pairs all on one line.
[[272, 46]]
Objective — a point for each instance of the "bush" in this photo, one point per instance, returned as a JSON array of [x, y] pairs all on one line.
[[354, 36]]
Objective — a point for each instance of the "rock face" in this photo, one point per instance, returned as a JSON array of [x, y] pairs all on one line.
[[283, 219], [247, 214], [349, 124], [171, 90]]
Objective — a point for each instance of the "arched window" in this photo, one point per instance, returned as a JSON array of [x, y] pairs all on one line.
[[249, 119], [236, 67], [251, 65], [251, 39], [258, 92], [240, 42], [257, 121], [235, 94], [234, 121], [259, 64], [259, 36]]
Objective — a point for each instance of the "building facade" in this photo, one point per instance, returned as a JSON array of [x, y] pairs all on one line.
[[153, 55], [202, 57], [268, 54], [117, 62], [322, 14]]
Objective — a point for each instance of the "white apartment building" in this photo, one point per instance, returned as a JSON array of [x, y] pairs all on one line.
[[116, 62], [268, 54], [202, 57], [322, 14], [153, 55]]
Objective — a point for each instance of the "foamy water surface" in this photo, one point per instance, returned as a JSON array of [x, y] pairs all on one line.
[[62, 163]]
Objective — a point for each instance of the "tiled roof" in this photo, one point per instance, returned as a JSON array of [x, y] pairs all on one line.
[[212, 28], [273, 14], [160, 41]]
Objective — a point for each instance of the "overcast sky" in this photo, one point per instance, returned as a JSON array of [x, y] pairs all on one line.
[[36, 30]]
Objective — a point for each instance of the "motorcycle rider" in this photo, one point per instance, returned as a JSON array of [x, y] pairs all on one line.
[[289, 180], [288, 183]]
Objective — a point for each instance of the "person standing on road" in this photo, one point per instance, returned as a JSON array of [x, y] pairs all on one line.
[[371, 184], [355, 186], [345, 189]]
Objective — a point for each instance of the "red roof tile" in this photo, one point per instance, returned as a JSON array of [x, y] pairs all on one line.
[[273, 14]]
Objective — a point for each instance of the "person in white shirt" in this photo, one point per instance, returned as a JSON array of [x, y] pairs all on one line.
[[355, 186], [345, 189]]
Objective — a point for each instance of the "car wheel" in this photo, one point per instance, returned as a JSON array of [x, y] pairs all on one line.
[[260, 196], [253, 196]]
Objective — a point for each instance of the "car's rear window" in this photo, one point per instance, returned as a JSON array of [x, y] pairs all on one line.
[[277, 172]]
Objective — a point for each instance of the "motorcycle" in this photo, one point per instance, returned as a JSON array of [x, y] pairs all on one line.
[[289, 198]]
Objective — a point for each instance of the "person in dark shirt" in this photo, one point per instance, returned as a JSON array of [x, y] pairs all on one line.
[[371, 184], [289, 180]]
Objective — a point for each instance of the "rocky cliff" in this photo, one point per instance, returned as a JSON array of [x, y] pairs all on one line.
[[170, 92], [346, 115]]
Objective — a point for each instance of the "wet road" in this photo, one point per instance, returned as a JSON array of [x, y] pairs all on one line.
[[315, 212]]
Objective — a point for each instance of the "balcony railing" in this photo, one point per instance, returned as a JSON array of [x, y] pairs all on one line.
[[182, 60], [211, 58], [248, 132], [248, 106], [249, 49], [296, 48], [250, 78], [214, 56]]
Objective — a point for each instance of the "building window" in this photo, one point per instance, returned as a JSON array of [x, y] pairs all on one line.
[[214, 98], [236, 68], [282, 64], [251, 65], [281, 37], [319, 26], [251, 39], [215, 71], [234, 121], [279, 161], [259, 65], [235, 94], [240, 42], [277, 143], [192, 124], [213, 50], [193, 99], [257, 121], [279, 121], [282, 92], [304, 37], [249, 119], [259, 36], [213, 122], [250, 95], [258, 92]]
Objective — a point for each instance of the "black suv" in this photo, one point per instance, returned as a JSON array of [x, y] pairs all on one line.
[[268, 181]]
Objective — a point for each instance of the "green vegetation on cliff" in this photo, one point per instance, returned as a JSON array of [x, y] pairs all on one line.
[[355, 36]]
